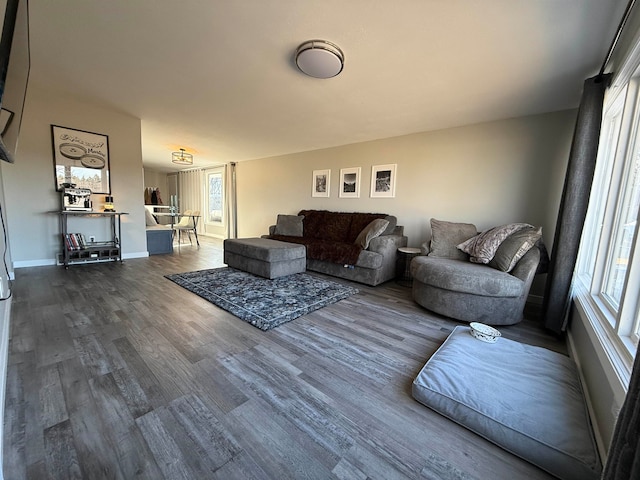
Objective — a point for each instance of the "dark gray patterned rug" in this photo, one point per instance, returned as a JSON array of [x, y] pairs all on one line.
[[262, 302]]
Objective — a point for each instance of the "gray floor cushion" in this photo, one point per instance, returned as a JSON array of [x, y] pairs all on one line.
[[526, 399]]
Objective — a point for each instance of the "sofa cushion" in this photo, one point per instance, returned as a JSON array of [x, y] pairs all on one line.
[[334, 252], [446, 236], [150, 220], [483, 246], [368, 259], [526, 399], [328, 226], [264, 249], [290, 225], [373, 230], [465, 277], [513, 248]]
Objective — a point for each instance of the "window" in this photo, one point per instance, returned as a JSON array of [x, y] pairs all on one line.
[[607, 281], [215, 196]]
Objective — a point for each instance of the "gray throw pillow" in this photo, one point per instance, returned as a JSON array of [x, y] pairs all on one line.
[[371, 231], [483, 247], [514, 247], [289, 225], [446, 236], [393, 221]]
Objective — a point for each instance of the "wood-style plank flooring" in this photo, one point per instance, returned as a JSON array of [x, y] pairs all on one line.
[[116, 372]]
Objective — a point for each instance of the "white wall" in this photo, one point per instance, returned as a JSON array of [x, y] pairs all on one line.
[[486, 174], [30, 188]]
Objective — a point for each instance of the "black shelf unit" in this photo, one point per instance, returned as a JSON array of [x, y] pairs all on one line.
[[93, 252]]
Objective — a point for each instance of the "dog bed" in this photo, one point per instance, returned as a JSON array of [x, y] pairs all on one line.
[[525, 399]]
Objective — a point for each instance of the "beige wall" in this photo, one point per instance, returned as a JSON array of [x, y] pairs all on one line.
[[486, 174], [155, 179], [29, 185]]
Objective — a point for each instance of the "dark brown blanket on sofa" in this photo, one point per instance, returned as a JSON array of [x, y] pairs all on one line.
[[330, 236]]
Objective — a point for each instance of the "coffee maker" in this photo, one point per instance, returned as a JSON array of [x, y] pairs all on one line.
[[76, 199]]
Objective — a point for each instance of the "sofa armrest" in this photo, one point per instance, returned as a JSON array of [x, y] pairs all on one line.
[[272, 229], [425, 248], [398, 230], [387, 244]]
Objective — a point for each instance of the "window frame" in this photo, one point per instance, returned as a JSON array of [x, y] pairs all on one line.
[[615, 326], [215, 171]]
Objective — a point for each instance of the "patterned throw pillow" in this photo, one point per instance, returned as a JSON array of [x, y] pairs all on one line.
[[483, 247], [514, 247]]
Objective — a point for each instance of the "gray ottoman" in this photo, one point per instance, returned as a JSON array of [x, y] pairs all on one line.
[[265, 257]]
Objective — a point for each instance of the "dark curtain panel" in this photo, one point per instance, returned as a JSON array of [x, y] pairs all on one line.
[[573, 205], [623, 462]]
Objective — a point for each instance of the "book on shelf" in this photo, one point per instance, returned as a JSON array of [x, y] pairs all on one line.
[[74, 241], [67, 241]]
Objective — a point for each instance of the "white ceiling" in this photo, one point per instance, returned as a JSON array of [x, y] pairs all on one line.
[[217, 76]]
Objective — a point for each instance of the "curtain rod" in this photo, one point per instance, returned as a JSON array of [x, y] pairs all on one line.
[[623, 22]]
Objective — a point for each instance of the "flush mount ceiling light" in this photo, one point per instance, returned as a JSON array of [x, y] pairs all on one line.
[[319, 59], [182, 158]]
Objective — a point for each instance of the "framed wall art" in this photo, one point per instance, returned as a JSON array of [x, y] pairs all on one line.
[[350, 182], [383, 181], [321, 183], [81, 159]]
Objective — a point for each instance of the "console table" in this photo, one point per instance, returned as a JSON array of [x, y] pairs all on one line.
[[78, 250]]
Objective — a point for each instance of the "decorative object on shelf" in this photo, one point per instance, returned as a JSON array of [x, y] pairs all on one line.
[[484, 332], [81, 158], [108, 204], [350, 182], [319, 59], [383, 181], [78, 199], [321, 183], [182, 158]]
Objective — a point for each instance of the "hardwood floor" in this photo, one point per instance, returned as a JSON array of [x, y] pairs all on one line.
[[116, 372]]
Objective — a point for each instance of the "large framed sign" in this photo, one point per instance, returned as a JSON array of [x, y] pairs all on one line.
[[81, 159]]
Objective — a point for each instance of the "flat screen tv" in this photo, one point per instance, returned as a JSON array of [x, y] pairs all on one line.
[[14, 73]]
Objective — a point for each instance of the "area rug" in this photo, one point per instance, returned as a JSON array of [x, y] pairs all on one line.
[[263, 303]]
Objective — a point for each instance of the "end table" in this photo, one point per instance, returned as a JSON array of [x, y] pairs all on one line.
[[403, 271]]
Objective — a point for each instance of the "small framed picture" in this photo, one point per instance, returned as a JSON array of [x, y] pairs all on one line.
[[383, 181], [321, 183], [350, 182]]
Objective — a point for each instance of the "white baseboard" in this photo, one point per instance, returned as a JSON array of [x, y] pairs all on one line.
[[602, 449], [34, 263], [53, 261], [135, 255]]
